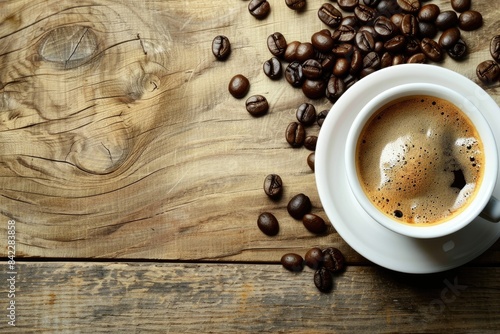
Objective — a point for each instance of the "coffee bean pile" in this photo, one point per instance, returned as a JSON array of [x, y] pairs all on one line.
[[488, 71]]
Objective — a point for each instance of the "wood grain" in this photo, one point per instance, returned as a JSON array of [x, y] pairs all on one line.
[[228, 298], [118, 138]]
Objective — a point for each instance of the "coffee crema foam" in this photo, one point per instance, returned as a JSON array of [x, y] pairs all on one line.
[[420, 160]]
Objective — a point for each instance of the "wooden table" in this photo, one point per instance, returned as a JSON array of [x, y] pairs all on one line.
[[134, 181]]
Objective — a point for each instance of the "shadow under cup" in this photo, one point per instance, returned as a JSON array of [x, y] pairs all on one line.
[[482, 195]]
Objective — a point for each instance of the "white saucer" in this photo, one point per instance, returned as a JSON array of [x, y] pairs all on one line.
[[376, 243]]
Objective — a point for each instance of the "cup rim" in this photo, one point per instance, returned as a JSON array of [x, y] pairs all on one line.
[[490, 171]]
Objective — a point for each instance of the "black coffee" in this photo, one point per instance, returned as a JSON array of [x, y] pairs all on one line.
[[420, 160]]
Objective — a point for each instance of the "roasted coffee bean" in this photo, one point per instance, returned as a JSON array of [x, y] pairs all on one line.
[[295, 134], [418, 58], [428, 13], [342, 50], [356, 61], [314, 258], [310, 160], [409, 6], [384, 27], [272, 68], [371, 3], [273, 186], [304, 51], [412, 46], [426, 29], [314, 89], [298, 206], [276, 43], [458, 51], [257, 105], [291, 51], [342, 67], [350, 21], [292, 262], [327, 61], [323, 280], [488, 71], [397, 19], [366, 71], [399, 59], [365, 41], [372, 60], [314, 223], [306, 114], [364, 13], [446, 19], [431, 49], [449, 37], [296, 4], [379, 47], [347, 5], [395, 44], [268, 224], [370, 29], [334, 89], [470, 20], [322, 42], [239, 86], [409, 25], [350, 80], [221, 47], [388, 8], [460, 5], [344, 34], [310, 143], [333, 259], [321, 117], [495, 48], [312, 69], [330, 15], [294, 74], [386, 60], [259, 8]]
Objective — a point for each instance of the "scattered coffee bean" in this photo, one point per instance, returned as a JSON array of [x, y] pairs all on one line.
[[365, 41], [470, 20], [449, 38], [273, 186], [314, 223], [446, 19], [257, 105], [350, 20], [312, 69], [426, 29], [413, 45], [321, 117], [386, 60], [304, 51], [431, 49], [418, 58], [239, 86], [295, 134], [292, 262], [322, 42], [395, 44], [428, 13], [259, 8], [356, 64], [221, 47], [294, 74], [299, 205], [397, 19], [409, 25], [409, 6], [272, 68], [364, 13], [314, 258], [371, 60], [371, 3], [334, 89], [291, 51], [342, 50], [310, 143], [347, 5], [323, 280], [276, 43], [458, 51], [384, 27], [333, 259], [488, 71], [460, 5], [342, 67], [343, 34], [296, 4], [310, 160], [314, 89], [306, 114], [268, 224], [388, 8], [495, 48], [330, 15]]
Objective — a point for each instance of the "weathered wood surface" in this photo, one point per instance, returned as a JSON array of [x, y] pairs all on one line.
[[118, 138], [238, 298]]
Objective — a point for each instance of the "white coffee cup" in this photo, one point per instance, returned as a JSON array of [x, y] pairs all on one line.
[[483, 203]]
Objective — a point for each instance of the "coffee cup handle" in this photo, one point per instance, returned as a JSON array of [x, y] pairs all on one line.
[[491, 211]]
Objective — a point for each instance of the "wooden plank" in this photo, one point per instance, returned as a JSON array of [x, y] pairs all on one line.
[[83, 297], [126, 144]]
